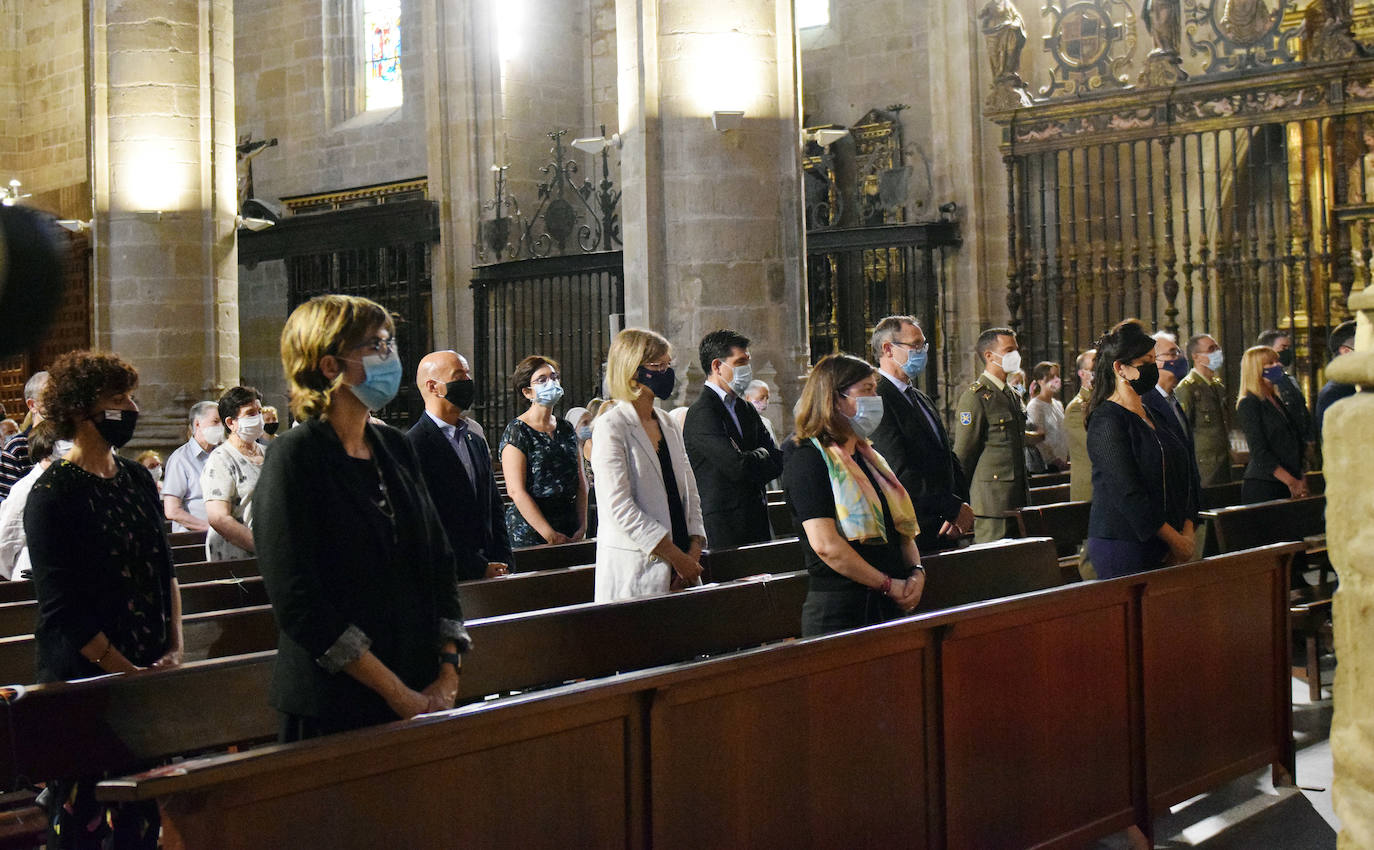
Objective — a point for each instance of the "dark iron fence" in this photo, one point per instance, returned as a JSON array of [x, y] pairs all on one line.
[[857, 276], [558, 307]]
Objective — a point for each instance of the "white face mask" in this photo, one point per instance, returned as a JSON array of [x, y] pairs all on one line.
[[212, 434], [61, 448], [1011, 362], [743, 377], [249, 428], [156, 472]]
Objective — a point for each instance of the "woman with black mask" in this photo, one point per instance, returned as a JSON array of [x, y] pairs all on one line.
[[1143, 507], [107, 597]]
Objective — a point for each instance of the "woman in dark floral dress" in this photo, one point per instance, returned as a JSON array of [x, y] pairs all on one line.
[[107, 596], [542, 463]]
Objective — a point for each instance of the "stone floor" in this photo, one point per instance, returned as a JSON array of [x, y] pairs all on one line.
[[1248, 814]]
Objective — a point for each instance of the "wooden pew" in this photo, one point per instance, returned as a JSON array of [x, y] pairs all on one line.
[[553, 556], [522, 591], [19, 618], [780, 518], [1178, 685], [1049, 495], [1047, 479], [1066, 523], [1219, 496], [186, 538], [776, 556], [22, 591], [188, 554], [1234, 528]]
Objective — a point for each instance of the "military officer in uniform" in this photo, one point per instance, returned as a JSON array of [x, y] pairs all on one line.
[[990, 437], [1203, 397]]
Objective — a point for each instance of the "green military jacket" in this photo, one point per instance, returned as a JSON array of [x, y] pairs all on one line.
[[1080, 465], [989, 440], [1209, 414]]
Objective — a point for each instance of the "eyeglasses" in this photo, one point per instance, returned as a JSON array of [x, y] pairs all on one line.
[[383, 348], [659, 366], [920, 349], [541, 381]]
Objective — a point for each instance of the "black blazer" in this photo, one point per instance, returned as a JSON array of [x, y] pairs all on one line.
[[473, 518], [732, 469], [1164, 415], [921, 459], [342, 577], [1275, 439], [1142, 476]]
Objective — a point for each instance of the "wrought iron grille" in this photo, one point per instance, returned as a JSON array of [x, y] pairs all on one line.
[[400, 278], [1228, 230], [857, 276], [558, 307]]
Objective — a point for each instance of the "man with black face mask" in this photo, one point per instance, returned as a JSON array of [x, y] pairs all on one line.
[[456, 464]]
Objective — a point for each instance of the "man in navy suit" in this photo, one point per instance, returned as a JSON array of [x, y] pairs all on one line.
[[732, 456], [912, 439], [456, 464], [1165, 406]]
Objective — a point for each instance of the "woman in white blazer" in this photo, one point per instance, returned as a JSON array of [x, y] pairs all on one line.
[[649, 529]]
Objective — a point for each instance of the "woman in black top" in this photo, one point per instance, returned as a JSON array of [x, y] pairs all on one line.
[[107, 597], [1276, 445], [859, 526], [543, 466], [356, 564], [1143, 506]]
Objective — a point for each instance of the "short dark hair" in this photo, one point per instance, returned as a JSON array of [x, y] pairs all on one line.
[[76, 381], [234, 399], [1195, 342], [717, 345], [1343, 334], [42, 438], [525, 369], [1270, 336], [988, 338]]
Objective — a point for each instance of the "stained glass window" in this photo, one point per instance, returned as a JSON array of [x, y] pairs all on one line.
[[812, 13], [382, 34]]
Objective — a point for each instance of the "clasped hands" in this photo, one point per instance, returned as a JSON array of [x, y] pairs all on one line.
[[906, 592]]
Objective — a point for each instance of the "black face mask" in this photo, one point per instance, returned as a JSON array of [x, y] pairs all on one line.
[[460, 393], [1149, 377], [1286, 358], [116, 426], [659, 383], [270, 427]]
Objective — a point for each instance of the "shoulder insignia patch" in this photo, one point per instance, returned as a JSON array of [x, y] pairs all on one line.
[[965, 417]]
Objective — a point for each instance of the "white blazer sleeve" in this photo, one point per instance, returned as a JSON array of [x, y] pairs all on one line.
[[615, 490], [11, 535]]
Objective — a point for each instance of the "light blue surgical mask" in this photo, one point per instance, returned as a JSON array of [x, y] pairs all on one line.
[[584, 433], [868, 412], [1215, 359], [744, 375], [548, 393], [381, 381], [916, 360]]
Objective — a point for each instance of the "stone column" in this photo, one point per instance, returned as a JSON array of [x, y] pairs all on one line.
[[1348, 433], [713, 220], [164, 183]]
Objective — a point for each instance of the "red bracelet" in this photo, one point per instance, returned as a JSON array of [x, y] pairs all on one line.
[[886, 587]]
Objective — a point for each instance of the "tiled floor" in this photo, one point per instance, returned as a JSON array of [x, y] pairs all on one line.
[[1248, 814]]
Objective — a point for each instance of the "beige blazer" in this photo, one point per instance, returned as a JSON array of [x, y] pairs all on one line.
[[632, 504]]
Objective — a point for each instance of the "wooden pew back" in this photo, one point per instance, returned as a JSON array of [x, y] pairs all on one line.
[[1246, 526], [1065, 522], [19, 618], [1049, 495], [555, 556]]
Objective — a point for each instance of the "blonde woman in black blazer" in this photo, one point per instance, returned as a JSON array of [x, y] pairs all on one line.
[[1276, 444]]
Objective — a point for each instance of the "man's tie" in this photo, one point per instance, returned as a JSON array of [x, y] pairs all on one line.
[[1178, 413]]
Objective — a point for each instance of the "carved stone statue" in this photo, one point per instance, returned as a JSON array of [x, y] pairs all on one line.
[[1245, 21], [1005, 34], [1163, 67], [1164, 24], [1333, 40]]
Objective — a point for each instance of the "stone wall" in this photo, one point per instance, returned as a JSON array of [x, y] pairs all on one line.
[[297, 79], [42, 100], [262, 313]]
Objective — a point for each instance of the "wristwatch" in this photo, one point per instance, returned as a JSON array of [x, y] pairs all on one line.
[[453, 658]]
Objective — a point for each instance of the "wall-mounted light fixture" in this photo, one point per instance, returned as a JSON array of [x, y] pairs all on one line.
[[825, 136], [727, 119], [12, 195], [596, 144], [253, 224]]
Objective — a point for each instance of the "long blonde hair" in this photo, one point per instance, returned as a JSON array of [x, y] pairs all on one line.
[[1252, 364], [324, 325], [631, 348]]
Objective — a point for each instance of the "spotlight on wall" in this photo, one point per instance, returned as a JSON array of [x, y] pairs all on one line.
[[596, 144], [825, 136], [727, 119], [74, 225], [253, 224], [11, 194]]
